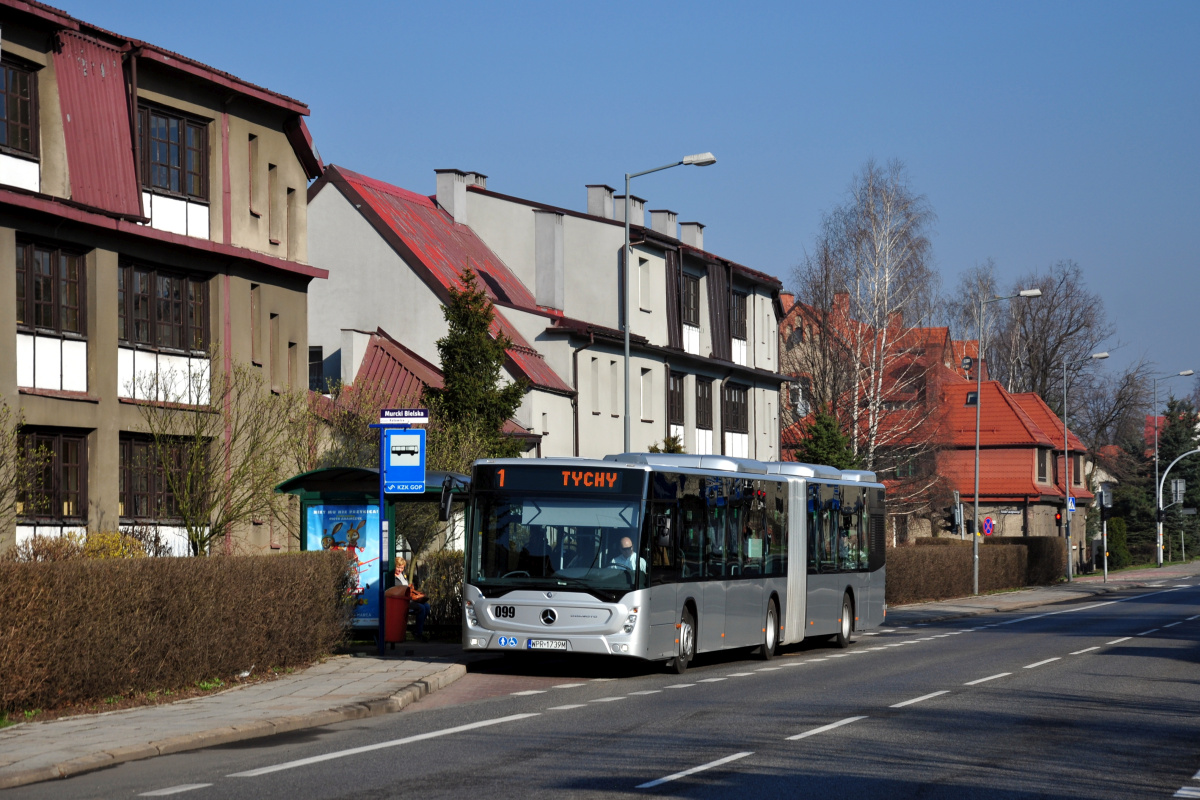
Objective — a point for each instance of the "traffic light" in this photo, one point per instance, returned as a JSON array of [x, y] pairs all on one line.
[[949, 520], [970, 523], [1058, 518]]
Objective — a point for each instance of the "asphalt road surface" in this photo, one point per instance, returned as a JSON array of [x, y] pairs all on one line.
[[1095, 699]]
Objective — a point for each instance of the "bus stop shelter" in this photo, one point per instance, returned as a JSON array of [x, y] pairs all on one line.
[[340, 510]]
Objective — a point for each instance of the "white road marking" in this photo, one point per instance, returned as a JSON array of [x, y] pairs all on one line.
[[1188, 791], [1189, 619], [941, 636], [693, 770], [1122, 639], [1172, 624], [353, 751], [870, 633], [955, 633], [606, 699], [1183, 586], [1144, 633], [767, 669], [564, 708], [1196, 777], [824, 728], [978, 681], [791, 664], [919, 699], [710, 680], [869, 650], [1039, 663], [528, 692], [647, 691], [1085, 650], [600, 680], [1155, 584], [1087, 607], [679, 686], [183, 787], [567, 685], [837, 655], [739, 674], [926, 639]]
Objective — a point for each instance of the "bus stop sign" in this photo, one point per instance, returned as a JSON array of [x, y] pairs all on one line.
[[403, 460]]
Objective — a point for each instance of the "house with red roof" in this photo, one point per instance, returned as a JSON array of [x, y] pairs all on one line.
[[702, 328]]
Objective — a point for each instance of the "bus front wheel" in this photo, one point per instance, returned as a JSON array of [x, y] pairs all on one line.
[[687, 643], [845, 633], [770, 633]]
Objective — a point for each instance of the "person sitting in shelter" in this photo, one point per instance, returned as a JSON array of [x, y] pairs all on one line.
[[418, 603]]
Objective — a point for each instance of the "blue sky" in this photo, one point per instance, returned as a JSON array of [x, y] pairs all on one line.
[[1038, 131]]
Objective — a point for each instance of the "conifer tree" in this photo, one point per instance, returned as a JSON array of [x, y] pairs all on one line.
[[825, 443]]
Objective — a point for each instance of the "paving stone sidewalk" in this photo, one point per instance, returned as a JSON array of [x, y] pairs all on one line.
[[339, 689]]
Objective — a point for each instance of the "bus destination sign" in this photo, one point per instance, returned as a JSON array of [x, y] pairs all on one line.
[[555, 479]]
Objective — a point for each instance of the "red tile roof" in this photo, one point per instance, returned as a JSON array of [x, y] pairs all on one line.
[[1047, 420], [438, 248], [1003, 421]]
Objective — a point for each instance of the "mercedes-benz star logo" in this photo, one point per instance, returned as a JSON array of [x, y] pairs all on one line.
[[548, 616], [549, 595]]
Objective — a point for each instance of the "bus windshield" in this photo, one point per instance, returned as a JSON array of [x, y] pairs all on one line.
[[531, 541]]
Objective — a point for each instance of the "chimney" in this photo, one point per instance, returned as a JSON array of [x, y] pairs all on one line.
[[787, 300], [692, 234], [600, 200], [663, 221], [549, 273], [637, 209], [452, 193], [476, 179]]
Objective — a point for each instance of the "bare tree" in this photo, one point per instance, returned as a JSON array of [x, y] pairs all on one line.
[[219, 441], [20, 468], [1110, 408]]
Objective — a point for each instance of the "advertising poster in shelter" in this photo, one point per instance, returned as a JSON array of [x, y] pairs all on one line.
[[354, 530]]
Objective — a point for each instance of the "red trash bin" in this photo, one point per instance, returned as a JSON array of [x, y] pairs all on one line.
[[395, 618]]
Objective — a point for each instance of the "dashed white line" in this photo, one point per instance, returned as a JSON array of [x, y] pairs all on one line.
[[739, 674], [565, 708], [710, 680], [792, 663], [767, 669], [679, 686], [1118, 641], [837, 655], [1189, 619], [1188, 791], [1145, 633], [1044, 661], [824, 728], [978, 681], [567, 685], [420, 737], [183, 787], [1085, 650], [869, 650], [646, 691], [693, 770], [921, 698], [528, 692], [606, 699], [1172, 624], [601, 680]]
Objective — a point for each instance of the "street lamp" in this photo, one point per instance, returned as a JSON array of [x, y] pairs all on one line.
[[1158, 540], [979, 402], [698, 160], [1067, 453]]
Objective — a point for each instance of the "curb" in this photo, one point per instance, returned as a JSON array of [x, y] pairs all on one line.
[[237, 733]]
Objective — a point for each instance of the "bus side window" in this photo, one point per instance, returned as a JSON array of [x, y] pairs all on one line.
[[691, 530], [829, 529], [814, 530], [660, 537], [776, 539]]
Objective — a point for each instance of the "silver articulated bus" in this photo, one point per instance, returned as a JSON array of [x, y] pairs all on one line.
[[662, 556]]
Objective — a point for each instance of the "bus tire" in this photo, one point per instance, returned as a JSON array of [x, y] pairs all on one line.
[[687, 643], [770, 633], [845, 633]]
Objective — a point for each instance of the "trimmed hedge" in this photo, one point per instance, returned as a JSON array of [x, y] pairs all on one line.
[[916, 574], [443, 583], [82, 630], [1047, 557]]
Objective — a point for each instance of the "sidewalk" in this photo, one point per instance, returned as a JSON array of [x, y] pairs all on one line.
[[339, 689], [364, 685]]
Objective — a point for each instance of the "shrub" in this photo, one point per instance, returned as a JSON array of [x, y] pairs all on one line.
[[443, 582], [85, 629], [40, 547], [941, 541], [1118, 547], [112, 544], [916, 574], [1046, 561]]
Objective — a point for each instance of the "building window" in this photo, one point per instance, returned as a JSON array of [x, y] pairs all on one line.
[[316, 369], [675, 399], [704, 404], [595, 377], [161, 309], [647, 396], [1041, 464], [59, 489], [734, 409], [643, 284], [738, 323], [18, 109], [50, 289], [174, 151], [148, 475], [691, 300], [1076, 469], [255, 323]]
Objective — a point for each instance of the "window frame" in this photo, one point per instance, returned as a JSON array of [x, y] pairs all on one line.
[[55, 442], [187, 124], [192, 305], [738, 322], [159, 500], [690, 300], [26, 296], [1042, 471], [675, 398], [11, 65], [704, 405], [735, 412]]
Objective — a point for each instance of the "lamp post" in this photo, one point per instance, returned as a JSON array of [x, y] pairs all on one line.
[[698, 160], [979, 402], [1067, 454], [1158, 539]]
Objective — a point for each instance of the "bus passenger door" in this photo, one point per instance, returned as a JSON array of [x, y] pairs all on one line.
[[661, 535], [711, 633]]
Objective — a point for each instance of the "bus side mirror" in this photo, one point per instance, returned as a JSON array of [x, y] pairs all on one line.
[[446, 501]]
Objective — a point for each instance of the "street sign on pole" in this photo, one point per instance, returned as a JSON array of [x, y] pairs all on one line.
[[404, 416], [1071, 504], [403, 461], [1178, 487]]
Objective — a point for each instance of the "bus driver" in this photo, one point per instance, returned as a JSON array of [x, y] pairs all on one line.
[[626, 559]]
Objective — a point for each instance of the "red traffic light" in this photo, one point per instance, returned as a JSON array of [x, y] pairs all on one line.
[[1058, 518]]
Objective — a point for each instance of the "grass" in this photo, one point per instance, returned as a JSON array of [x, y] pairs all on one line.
[[211, 684]]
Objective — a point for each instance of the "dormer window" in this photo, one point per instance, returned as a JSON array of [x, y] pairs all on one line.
[[174, 150], [18, 109]]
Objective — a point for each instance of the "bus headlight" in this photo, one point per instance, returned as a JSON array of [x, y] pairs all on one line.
[[471, 618], [631, 620]]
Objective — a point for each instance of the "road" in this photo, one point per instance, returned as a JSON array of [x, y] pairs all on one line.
[[1095, 699]]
